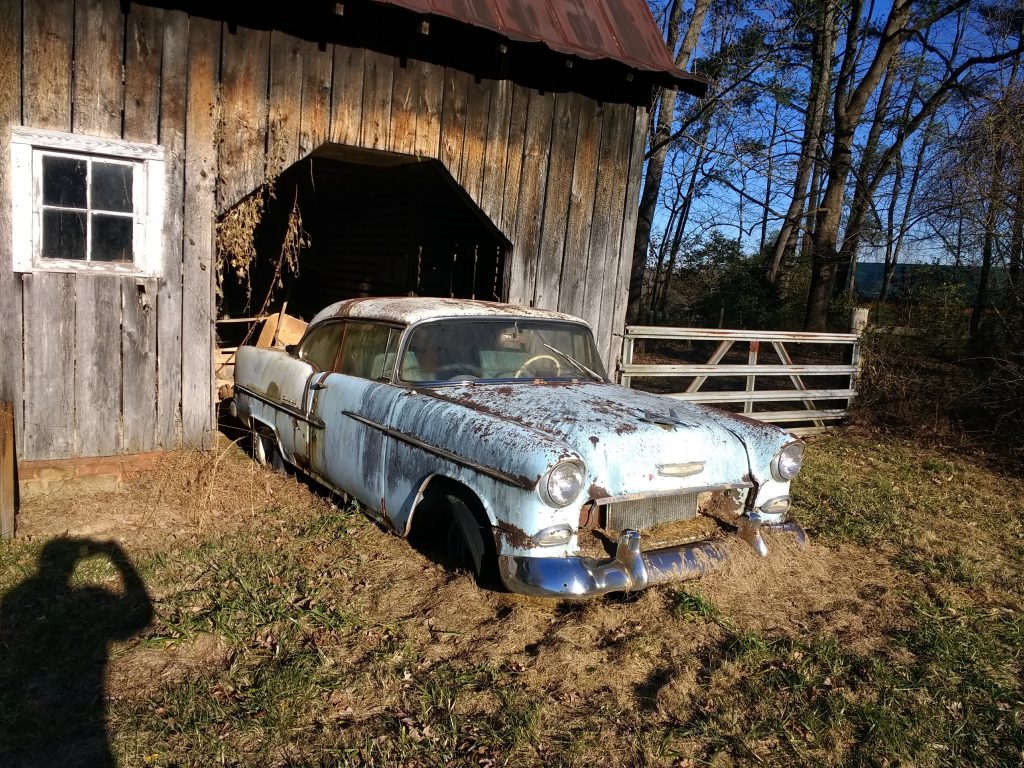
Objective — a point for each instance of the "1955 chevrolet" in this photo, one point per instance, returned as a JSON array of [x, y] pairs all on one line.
[[565, 483]]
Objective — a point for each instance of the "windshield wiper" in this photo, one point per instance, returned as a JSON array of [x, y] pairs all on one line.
[[576, 363]]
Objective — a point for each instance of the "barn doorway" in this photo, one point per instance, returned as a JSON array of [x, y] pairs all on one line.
[[378, 224]]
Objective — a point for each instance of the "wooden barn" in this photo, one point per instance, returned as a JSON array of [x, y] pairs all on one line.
[[490, 148]]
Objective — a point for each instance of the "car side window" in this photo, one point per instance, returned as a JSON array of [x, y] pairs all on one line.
[[365, 352], [321, 346]]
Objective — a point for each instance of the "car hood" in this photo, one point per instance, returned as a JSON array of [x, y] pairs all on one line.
[[627, 437]]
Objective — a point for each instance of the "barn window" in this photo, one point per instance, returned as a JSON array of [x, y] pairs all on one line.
[[85, 204]]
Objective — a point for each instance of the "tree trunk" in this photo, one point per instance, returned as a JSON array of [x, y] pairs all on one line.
[[890, 263], [665, 106], [867, 183], [768, 178], [850, 101], [821, 84]]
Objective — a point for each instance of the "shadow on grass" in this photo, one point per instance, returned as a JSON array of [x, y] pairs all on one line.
[[54, 640]]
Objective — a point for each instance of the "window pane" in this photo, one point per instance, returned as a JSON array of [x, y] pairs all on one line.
[[322, 345], [64, 181], [451, 350], [111, 238], [111, 187], [365, 350], [63, 235]]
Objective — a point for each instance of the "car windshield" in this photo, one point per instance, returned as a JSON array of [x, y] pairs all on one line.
[[499, 350]]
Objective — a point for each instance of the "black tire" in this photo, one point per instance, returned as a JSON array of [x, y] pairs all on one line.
[[470, 544], [266, 452]]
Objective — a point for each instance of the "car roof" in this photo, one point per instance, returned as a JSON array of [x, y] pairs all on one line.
[[408, 310]]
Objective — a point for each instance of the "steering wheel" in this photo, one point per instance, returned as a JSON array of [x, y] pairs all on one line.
[[534, 359], [458, 370]]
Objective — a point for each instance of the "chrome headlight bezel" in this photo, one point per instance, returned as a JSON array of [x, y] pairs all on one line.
[[551, 494], [787, 462]]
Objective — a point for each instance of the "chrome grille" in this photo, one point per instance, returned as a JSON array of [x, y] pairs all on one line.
[[643, 513]]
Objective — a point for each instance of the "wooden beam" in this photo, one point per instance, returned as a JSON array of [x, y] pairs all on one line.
[[8, 476]]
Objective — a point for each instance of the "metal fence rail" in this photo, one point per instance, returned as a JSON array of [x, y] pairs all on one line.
[[801, 408]]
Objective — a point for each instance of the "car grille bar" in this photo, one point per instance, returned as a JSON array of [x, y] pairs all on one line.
[[640, 514]]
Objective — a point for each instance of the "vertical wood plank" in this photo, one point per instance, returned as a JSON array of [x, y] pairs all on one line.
[[10, 283], [581, 209], [49, 306], [8, 475], [513, 162], [603, 261], [429, 96], [98, 93], [97, 365], [197, 279], [285, 102], [173, 101], [138, 357], [98, 99], [530, 200], [46, 92], [317, 71], [143, 51], [453, 121], [496, 152], [48, 299], [140, 298], [241, 162], [630, 214], [556, 201], [347, 95], [478, 106], [377, 76], [402, 131]]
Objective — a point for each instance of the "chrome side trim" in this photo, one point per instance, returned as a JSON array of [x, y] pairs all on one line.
[[290, 410], [497, 474]]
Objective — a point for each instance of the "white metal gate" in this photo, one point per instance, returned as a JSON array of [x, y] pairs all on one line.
[[803, 397]]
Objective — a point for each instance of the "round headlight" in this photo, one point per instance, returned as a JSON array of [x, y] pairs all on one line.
[[563, 483], [787, 462]]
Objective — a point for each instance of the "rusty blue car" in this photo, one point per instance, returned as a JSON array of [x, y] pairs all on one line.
[[498, 425]]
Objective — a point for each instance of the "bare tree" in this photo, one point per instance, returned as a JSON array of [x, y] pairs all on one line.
[[658, 142]]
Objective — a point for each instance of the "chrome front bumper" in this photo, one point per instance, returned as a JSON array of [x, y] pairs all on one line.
[[630, 569]]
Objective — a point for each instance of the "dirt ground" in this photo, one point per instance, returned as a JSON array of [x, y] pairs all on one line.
[[245, 567]]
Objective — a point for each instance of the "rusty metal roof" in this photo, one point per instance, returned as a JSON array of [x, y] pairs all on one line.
[[617, 30]]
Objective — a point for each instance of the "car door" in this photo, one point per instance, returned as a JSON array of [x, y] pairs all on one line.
[[353, 405], [313, 360]]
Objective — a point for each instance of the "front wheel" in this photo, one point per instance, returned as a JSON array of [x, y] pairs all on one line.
[[266, 452]]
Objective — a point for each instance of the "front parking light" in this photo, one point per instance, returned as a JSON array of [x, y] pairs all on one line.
[[552, 536]]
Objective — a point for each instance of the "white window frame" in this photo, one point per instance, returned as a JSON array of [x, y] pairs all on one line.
[[29, 145]]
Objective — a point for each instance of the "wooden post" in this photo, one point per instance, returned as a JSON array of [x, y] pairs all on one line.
[[8, 478], [858, 323], [755, 346], [858, 319], [627, 358]]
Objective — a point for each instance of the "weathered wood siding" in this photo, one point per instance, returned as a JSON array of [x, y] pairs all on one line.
[[103, 365]]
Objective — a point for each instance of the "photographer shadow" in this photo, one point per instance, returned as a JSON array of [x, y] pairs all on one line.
[[54, 642]]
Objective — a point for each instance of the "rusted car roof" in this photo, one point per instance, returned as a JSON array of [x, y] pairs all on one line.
[[618, 30], [407, 310]]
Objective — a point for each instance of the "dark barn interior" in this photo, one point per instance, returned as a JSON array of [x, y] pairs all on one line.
[[378, 224]]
